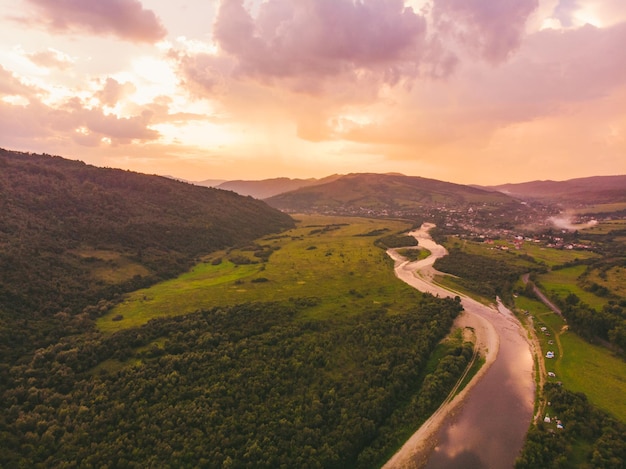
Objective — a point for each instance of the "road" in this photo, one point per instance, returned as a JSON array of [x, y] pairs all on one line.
[[546, 301], [485, 425]]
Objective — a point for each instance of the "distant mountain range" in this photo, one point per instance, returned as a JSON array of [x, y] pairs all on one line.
[[396, 190], [580, 191], [265, 188], [384, 192]]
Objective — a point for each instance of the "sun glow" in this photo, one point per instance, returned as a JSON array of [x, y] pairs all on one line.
[[152, 78], [587, 15], [200, 134]]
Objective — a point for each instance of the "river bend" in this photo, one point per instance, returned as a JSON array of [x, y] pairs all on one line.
[[484, 426]]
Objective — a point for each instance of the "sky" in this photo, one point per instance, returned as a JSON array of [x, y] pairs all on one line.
[[466, 91]]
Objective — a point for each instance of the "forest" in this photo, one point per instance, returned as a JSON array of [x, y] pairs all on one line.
[[73, 235], [588, 430], [248, 386]]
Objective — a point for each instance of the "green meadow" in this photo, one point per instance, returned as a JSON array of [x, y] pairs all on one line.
[[542, 254], [579, 365], [414, 254], [330, 261], [551, 256], [562, 282], [111, 266]]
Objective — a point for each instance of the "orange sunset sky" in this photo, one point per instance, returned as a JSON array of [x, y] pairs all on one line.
[[468, 91]]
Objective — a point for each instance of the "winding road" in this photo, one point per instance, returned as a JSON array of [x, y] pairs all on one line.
[[484, 426]]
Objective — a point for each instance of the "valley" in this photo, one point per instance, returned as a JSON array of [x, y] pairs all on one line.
[[147, 320]]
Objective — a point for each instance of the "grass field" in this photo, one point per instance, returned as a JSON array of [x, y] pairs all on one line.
[[323, 258], [111, 266], [414, 254], [602, 208], [565, 281], [596, 372], [582, 367], [548, 256], [614, 279]]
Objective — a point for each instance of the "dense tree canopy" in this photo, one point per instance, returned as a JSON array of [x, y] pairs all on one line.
[[249, 386]]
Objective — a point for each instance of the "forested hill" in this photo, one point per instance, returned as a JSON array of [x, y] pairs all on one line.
[[570, 193], [398, 195], [270, 187], [71, 233]]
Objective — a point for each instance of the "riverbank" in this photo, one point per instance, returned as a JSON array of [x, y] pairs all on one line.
[[484, 442]]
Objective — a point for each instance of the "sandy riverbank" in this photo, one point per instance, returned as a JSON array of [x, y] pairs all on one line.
[[476, 317]]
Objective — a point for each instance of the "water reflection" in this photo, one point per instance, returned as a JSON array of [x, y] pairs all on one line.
[[489, 428]]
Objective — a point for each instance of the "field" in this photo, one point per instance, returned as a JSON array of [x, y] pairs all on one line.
[[613, 279], [548, 256], [111, 266], [602, 208], [414, 254], [565, 281], [581, 366], [326, 259]]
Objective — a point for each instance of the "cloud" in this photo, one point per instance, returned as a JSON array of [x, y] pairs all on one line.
[[113, 91], [493, 30], [10, 85], [554, 76], [51, 58], [24, 126], [125, 19], [204, 74], [306, 44], [555, 69], [565, 10]]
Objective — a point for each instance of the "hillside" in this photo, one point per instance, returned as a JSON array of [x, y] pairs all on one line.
[[73, 234], [404, 196], [266, 188], [574, 192]]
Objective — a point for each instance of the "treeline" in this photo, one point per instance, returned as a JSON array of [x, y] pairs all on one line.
[[607, 324], [589, 437], [483, 275], [249, 386], [396, 241]]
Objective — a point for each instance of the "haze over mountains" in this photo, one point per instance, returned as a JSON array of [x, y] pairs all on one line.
[[585, 191], [265, 188], [393, 191]]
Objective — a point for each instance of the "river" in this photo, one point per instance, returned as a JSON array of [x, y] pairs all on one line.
[[485, 426]]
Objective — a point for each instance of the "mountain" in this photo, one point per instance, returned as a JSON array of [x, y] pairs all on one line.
[[72, 234], [266, 188], [574, 192], [208, 182], [398, 195]]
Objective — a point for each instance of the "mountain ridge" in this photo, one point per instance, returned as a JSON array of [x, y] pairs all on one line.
[[576, 191], [588, 190]]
